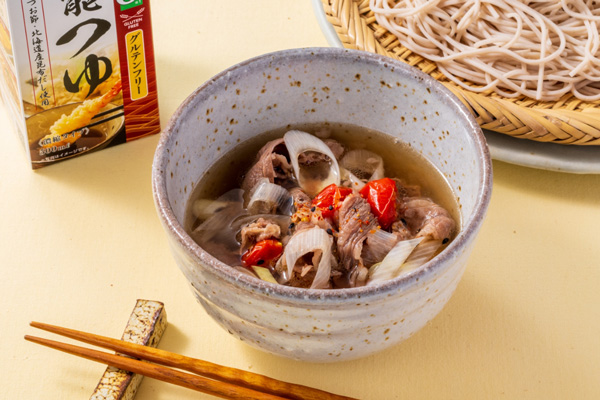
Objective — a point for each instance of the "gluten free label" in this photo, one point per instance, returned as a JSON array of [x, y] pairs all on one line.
[[136, 59]]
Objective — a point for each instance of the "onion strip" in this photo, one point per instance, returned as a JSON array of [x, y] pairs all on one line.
[[205, 208], [355, 182], [313, 240], [217, 228], [422, 254], [363, 164], [298, 142], [393, 261], [221, 220], [377, 245], [267, 197]]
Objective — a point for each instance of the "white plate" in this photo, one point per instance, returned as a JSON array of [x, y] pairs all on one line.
[[528, 153]]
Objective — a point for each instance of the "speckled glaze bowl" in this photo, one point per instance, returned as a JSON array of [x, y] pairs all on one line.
[[318, 85]]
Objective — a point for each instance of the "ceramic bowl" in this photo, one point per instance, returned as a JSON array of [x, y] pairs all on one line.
[[306, 86]]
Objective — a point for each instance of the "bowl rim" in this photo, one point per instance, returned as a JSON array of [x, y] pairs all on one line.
[[224, 271]]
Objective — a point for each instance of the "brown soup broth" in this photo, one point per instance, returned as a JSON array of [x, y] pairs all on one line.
[[400, 161]]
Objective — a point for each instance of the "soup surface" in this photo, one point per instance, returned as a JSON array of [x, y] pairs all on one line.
[[358, 208]]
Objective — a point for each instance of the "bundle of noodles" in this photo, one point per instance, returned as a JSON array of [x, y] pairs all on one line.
[[539, 49]]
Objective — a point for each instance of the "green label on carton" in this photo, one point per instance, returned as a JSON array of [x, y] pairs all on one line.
[[127, 4]]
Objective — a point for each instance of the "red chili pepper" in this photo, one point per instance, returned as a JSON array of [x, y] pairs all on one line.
[[381, 195], [330, 199], [262, 253]]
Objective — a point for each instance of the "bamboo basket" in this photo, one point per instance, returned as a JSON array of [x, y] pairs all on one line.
[[566, 121]]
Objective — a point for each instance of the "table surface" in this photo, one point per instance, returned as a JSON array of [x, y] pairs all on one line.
[[81, 242]]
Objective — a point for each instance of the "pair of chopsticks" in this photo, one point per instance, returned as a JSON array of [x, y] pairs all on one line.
[[96, 121], [206, 377], [102, 114]]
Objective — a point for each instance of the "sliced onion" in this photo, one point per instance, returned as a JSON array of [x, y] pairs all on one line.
[[308, 241], [354, 180], [205, 208], [378, 245], [363, 164], [217, 228], [267, 198], [264, 274], [298, 142], [389, 267], [283, 276], [422, 253]]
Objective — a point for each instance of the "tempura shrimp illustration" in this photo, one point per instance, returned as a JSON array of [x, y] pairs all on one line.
[[77, 119]]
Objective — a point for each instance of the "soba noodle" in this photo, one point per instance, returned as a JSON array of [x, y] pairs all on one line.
[[540, 49]]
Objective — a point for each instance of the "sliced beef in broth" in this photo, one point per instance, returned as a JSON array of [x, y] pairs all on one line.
[[401, 231], [427, 219], [355, 223], [300, 197], [272, 163], [336, 147]]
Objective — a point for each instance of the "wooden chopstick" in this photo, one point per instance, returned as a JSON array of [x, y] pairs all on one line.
[[236, 377], [216, 388]]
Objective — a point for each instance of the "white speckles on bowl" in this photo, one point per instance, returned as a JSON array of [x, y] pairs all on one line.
[[307, 86]]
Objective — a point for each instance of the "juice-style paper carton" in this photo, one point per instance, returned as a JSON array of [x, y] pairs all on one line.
[[77, 75]]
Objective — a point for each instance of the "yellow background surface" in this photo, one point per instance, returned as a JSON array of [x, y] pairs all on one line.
[[80, 242]]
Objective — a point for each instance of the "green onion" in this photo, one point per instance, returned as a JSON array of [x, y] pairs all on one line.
[[264, 274]]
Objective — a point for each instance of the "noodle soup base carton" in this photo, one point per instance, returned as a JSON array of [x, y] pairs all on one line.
[[77, 75]]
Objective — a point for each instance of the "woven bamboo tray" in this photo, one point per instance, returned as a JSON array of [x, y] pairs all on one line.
[[566, 121]]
